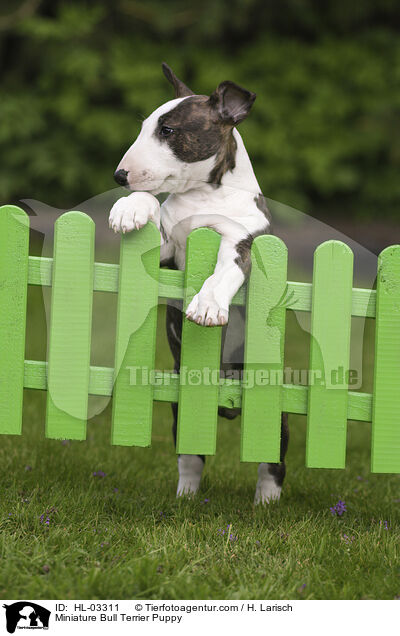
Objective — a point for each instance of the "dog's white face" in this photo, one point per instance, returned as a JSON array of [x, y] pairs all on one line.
[[154, 163], [186, 141]]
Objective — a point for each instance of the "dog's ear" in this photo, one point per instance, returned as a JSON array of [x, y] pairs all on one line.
[[232, 102], [181, 90]]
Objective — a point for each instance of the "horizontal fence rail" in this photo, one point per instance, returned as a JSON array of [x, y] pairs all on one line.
[[171, 285], [139, 283]]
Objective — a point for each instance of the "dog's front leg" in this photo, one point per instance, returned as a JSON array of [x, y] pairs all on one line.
[[134, 211], [210, 307]]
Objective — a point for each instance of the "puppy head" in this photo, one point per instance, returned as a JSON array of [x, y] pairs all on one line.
[[187, 140]]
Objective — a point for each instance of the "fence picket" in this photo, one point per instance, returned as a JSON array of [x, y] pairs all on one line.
[[136, 337], [264, 351], [385, 456], [14, 254], [70, 327], [201, 349], [329, 356], [69, 378]]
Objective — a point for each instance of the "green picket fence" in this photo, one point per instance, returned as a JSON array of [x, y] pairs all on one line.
[[139, 282]]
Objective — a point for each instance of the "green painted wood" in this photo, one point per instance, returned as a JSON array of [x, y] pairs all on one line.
[[201, 350], [136, 337], [294, 399], [14, 251], [40, 271], [166, 389], [264, 351], [329, 356], [171, 283], [386, 396], [70, 327]]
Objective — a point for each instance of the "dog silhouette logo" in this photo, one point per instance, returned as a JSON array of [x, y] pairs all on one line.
[[26, 615]]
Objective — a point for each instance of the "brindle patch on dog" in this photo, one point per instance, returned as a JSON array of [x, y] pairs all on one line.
[[174, 330], [225, 159], [261, 203], [197, 133], [243, 249], [278, 471]]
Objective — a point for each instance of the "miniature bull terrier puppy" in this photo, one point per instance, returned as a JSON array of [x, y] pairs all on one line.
[[189, 147]]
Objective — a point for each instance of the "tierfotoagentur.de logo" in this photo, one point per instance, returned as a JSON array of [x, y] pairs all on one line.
[[26, 615]]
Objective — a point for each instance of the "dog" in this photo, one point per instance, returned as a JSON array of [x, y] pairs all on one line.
[[189, 147]]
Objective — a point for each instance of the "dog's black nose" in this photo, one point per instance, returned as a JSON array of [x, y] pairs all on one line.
[[120, 177]]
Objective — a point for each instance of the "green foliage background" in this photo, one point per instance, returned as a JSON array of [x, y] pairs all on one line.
[[78, 77]]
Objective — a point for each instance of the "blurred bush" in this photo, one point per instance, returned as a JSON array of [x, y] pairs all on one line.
[[78, 77]]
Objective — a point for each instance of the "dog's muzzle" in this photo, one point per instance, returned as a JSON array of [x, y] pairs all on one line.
[[121, 177]]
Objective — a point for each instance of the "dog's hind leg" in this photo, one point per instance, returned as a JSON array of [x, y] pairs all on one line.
[[271, 476], [190, 467]]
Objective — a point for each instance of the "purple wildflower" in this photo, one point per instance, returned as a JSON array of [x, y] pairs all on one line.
[[27, 468], [42, 519], [99, 473], [228, 527], [348, 540], [339, 508], [48, 515]]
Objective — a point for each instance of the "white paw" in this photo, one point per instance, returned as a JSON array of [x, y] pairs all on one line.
[[190, 469], [205, 310], [266, 489], [133, 212]]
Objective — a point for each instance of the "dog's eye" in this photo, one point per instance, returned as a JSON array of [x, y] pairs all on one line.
[[165, 131]]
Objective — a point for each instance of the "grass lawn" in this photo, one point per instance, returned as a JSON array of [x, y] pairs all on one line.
[[67, 532]]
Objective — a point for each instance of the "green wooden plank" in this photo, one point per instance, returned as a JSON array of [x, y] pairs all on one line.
[[385, 456], [329, 356], [14, 250], [166, 389], [40, 271], [171, 283], [201, 351], [136, 337], [295, 400], [264, 351], [70, 327]]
